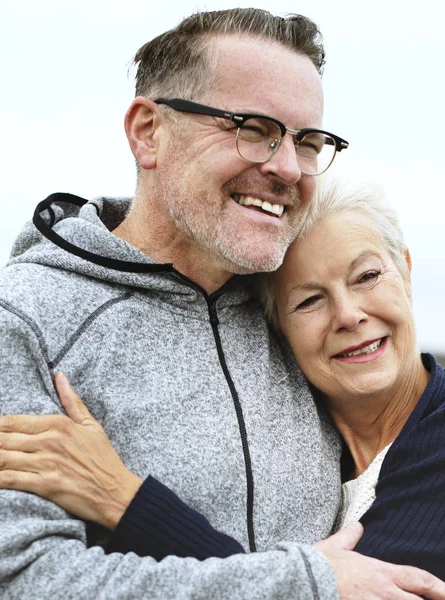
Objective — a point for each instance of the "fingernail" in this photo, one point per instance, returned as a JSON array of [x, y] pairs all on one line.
[[61, 377]]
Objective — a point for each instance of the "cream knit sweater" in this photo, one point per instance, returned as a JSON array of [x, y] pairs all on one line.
[[358, 494]]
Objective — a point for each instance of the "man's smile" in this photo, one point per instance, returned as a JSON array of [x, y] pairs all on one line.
[[245, 200]]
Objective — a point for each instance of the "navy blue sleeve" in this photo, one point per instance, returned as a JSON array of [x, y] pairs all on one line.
[[157, 523], [406, 523]]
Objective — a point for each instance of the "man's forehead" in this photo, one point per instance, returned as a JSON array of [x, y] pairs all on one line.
[[236, 51], [261, 75]]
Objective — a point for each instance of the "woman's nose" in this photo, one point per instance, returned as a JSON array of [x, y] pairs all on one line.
[[347, 314]]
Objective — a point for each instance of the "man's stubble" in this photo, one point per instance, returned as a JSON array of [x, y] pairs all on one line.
[[202, 216]]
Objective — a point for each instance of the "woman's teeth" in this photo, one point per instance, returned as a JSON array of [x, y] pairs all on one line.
[[274, 209], [366, 349]]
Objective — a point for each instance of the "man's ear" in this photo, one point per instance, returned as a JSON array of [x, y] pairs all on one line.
[[408, 259], [141, 124]]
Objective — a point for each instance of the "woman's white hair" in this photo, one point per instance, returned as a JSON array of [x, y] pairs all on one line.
[[333, 197]]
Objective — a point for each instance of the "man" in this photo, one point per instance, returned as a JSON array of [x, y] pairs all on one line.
[[170, 351]]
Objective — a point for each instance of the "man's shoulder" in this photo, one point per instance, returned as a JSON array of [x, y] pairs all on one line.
[[48, 297]]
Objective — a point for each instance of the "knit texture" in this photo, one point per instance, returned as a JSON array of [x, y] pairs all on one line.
[[157, 523], [358, 494], [140, 350], [406, 522]]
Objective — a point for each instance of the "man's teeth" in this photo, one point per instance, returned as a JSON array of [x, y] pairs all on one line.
[[275, 209], [366, 350]]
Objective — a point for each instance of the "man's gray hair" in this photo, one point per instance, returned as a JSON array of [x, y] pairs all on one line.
[[175, 64], [333, 198]]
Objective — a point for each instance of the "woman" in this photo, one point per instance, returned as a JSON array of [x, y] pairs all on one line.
[[343, 300]]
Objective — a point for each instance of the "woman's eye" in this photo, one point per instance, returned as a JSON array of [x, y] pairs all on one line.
[[369, 276], [308, 302]]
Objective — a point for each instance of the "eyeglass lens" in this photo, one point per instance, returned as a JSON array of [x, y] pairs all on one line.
[[258, 139]]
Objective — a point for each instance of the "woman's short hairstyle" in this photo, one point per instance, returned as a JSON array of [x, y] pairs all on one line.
[[333, 198]]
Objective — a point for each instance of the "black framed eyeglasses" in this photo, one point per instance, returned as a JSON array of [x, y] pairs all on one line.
[[258, 137]]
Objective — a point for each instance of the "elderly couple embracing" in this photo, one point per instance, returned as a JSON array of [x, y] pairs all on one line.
[[230, 422]]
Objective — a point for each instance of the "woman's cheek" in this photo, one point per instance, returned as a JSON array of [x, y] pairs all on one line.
[[306, 338]]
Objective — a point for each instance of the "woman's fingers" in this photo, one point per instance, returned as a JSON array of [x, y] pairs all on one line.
[[20, 441], [31, 424], [20, 480], [15, 460], [71, 402], [66, 459]]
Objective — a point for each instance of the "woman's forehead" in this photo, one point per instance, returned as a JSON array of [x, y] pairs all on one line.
[[336, 231], [336, 240]]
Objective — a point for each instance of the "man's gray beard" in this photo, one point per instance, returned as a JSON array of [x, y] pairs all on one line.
[[236, 262], [241, 264], [203, 233]]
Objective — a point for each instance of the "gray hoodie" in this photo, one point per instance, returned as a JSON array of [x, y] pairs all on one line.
[[192, 389]]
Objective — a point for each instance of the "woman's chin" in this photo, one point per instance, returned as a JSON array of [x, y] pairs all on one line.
[[369, 386], [363, 380]]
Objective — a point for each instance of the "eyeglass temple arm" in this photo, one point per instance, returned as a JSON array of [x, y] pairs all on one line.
[[338, 143], [194, 107]]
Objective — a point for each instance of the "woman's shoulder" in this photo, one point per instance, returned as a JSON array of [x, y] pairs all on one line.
[[433, 397], [432, 400], [425, 426]]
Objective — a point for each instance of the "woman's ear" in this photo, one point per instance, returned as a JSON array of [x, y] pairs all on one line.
[[407, 276], [408, 259], [141, 124]]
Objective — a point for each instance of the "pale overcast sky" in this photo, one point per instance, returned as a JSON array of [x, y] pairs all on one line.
[[65, 89]]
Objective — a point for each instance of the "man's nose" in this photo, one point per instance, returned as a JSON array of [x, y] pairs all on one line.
[[284, 163], [347, 314]]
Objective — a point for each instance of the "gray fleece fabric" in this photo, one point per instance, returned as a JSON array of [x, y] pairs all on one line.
[[140, 350]]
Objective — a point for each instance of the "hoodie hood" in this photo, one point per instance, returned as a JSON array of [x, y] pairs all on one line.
[[70, 233]]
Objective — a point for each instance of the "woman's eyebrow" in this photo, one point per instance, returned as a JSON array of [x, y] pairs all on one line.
[[361, 256], [310, 285], [314, 285]]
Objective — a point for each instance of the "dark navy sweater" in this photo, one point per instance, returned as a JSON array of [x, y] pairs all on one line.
[[405, 524], [157, 523]]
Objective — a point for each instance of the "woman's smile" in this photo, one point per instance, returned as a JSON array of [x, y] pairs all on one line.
[[345, 308], [366, 352]]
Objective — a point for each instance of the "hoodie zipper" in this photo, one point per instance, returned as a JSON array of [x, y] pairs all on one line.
[[135, 267], [214, 321]]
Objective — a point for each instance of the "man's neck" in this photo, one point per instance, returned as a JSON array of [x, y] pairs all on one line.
[[163, 243]]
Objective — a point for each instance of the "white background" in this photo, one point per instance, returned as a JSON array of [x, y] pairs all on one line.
[[65, 89]]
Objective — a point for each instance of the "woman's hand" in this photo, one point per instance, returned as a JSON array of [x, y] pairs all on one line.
[[66, 459]]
